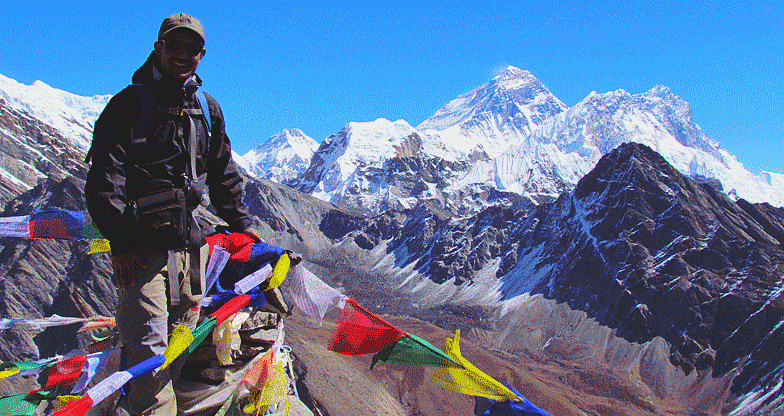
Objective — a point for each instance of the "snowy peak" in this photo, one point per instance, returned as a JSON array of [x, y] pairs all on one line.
[[72, 115], [343, 160], [45, 133], [515, 95], [283, 156]]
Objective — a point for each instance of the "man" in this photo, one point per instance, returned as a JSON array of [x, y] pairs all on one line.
[[143, 174]]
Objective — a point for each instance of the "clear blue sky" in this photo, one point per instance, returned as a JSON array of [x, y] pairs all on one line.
[[319, 65]]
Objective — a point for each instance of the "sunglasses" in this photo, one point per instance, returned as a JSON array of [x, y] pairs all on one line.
[[176, 47]]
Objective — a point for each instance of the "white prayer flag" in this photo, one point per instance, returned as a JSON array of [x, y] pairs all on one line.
[[312, 295], [215, 266], [252, 280], [15, 226]]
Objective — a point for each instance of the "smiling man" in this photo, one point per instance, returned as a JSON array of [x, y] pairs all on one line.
[[155, 146]]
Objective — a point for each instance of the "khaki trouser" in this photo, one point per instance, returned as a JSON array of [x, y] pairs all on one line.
[[146, 318]]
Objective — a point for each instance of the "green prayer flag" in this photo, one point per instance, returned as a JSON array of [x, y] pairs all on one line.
[[24, 366], [201, 332], [16, 405], [91, 233], [412, 350]]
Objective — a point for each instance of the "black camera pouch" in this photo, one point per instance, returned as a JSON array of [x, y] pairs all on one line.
[[162, 219]]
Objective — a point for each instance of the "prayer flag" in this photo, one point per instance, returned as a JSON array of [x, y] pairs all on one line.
[[146, 366], [39, 324], [218, 259], [101, 345], [109, 385], [201, 332], [77, 407], [91, 233], [95, 362], [253, 280], [521, 407], [280, 271], [361, 332], [98, 322], [179, 341], [275, 391], [23, 368], [64, 400], [312, 295], [60, 224], [15, 226], [246, 257], [17, 405], [230, 308], [65, 372], [412, 350], [8, 370], [260, 373], [99, 246], [226, 337], [469, 379]]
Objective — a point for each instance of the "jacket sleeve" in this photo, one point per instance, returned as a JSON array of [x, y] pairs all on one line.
[[105, 191], [224, 181]]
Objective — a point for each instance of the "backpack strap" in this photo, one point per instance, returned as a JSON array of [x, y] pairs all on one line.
[[205, 108], [193, 139], [146, 112]]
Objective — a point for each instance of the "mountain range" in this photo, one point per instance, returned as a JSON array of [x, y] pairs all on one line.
[[611, 246], [511, 141]]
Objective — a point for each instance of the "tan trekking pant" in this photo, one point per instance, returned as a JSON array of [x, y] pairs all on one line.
[[146, 318]]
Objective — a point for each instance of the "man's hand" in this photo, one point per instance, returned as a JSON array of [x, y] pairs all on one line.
[[294, 257], [126, 267], [250, 232]]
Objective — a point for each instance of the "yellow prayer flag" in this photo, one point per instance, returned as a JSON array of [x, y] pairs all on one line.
[[99, 245], [280, 271], [275, 391], [180, 339], [469, 380], [8, 372], [63, 400]]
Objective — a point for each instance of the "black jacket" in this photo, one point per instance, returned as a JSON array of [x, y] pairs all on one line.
[[119, 174]]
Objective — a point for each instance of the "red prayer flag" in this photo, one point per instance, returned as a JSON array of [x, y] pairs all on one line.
[[59, 224], [359, 331], [230, 308], [64, 372]]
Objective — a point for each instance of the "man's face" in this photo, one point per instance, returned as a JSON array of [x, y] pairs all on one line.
[[180, 53]]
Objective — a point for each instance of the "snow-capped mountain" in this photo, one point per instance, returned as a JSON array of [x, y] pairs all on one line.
[[44, 132], [511, 140], [491, 119], [282, 157], [71, 115]]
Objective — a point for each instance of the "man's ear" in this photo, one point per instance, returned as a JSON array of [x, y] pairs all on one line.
[[203, 52], [158, 48]]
